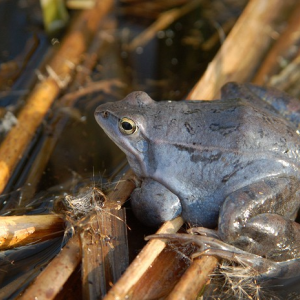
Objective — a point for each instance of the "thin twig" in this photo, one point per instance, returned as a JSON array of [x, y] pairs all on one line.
[[162, 22], [283, 51]]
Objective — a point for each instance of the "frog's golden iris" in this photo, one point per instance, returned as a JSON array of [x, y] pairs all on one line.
[[127, 126]]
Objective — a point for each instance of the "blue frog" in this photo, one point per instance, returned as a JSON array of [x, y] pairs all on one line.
[[232, 163]]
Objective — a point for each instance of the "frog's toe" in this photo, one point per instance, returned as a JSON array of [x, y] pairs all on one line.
[[182, 237], [203, 242], [259, 264], [204, 231]]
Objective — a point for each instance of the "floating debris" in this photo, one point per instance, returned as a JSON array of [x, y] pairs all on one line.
[[89, 200]]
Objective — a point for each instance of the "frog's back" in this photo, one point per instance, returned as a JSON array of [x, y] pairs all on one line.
[[234, 126]]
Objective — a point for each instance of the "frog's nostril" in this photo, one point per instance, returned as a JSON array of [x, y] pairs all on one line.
[[104, 114]]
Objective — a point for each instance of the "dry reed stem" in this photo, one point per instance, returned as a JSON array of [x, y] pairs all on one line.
[[142, 262], [164, 273], [164, 20], [50, 281], [243, 49], [104, 242], [39, 101], [199, 270], [104, 252], [18, 231]]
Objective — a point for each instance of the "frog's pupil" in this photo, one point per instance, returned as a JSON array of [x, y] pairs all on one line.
[[126, 126]]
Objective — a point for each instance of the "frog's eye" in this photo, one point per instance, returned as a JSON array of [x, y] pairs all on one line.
[[127, 126]]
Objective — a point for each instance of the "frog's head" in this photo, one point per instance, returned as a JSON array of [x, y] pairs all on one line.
[[124, 122]]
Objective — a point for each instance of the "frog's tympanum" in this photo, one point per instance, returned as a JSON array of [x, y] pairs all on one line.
[[232, 163]]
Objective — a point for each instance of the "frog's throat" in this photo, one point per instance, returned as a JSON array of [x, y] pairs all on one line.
[[137, 164]]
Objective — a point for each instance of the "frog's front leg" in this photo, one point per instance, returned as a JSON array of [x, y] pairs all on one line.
[[259, 218], [154, 204]]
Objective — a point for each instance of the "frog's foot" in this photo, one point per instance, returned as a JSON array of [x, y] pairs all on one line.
[[215, 247], [262, 269]]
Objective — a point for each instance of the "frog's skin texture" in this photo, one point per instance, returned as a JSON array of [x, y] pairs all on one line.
[[232, 163]]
